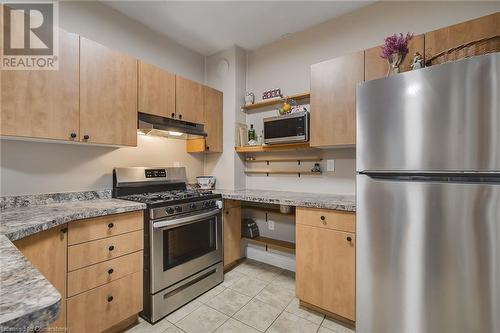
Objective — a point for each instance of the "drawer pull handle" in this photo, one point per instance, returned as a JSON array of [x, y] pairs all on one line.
[[86, 137], [110, 298], [110, 271], [111, 225], [322, 218], [111, 248], [64, 230], [349, 238]]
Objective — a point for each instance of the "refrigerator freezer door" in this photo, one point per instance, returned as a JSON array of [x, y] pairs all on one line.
[[427, 257], [441, 118]]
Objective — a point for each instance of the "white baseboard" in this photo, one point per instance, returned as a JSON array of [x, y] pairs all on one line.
[[275, 258]]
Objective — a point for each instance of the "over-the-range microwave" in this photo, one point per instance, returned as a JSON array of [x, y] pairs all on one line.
[[288, 128]]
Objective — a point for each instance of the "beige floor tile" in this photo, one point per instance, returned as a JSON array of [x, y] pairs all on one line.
[[334, 326], [234, 326], [180, 313], [325, 330], [202, 320], [313, 316], [173, 329], [276, 296], [228, 302], [286, 280], [231, 277], [145, 327], [248, 286], [257, 314], [266, 274], [211, 294], [290, 323]]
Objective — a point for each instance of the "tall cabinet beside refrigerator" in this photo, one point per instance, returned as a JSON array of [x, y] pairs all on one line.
[[428, 200]]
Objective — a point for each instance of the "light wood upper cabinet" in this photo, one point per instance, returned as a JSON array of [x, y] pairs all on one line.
[[47, 252], [212, 115], [188, 100], [444, 39], [333, 100], [108, 95], [43, 104], [156, 91], [326, 261], [376, 67]]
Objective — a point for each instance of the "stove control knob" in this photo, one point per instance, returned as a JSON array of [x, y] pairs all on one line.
[[212, 203], [170, 210], [193, 206], [219, 204], [178, 209]]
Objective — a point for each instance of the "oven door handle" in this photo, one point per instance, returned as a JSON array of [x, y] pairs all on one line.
[[185, 220]]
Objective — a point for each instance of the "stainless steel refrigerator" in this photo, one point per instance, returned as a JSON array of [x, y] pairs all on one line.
[[428, 200]]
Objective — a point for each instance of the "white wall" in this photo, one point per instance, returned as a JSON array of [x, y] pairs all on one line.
[[227, 167], [33, 167], [38, 167], [286, 64]]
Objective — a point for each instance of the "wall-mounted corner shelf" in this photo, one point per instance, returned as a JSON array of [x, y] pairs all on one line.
[[282, 172], [274, 101], [270, 148], [270, 243]]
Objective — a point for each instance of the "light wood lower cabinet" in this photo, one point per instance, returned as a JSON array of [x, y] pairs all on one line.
[[103, 289], [103, 307], [47, 252], [325, 263], [232, 232]]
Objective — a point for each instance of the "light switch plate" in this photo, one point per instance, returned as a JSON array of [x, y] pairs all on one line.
[[270, 225], [330, 165]]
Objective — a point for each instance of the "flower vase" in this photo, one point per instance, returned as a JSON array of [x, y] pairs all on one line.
[[394, 63]]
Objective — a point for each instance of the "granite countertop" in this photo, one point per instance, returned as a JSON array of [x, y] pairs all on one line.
[[302, 199], [28, 300]]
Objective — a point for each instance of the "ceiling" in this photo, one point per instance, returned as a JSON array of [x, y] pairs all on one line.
[[211, 26]]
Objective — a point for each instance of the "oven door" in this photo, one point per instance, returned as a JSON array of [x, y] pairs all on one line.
[[183, 246]]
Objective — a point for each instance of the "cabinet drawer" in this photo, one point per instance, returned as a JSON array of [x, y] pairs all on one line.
[[326, 218], [99, 274], [93, 252], [105, 226], [99, 309]]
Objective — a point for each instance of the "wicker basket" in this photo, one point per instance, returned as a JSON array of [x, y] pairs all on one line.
[[475, 48]]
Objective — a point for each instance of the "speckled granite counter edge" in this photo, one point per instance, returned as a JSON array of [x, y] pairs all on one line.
[[336, 204], [41, 301], [41, 304]]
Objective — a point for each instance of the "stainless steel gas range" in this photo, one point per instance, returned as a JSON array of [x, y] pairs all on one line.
[[183, 248]]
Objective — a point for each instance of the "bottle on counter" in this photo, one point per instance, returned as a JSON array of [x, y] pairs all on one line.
[[251, 133]]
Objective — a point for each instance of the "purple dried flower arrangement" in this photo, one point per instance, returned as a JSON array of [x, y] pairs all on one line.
[[395, 44]]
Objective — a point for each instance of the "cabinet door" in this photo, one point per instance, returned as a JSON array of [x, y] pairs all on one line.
[[376, 67], [47, 252], [333, 100], [40, 103], [325, 269], [232, 235], [188, 100], [156, 91], [452, 36], [108, 95], [212, 108]]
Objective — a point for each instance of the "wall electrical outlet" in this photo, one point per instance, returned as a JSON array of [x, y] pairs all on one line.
[[270, 225], [330, 165]]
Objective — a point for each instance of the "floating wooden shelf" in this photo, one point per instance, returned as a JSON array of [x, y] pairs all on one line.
[[283, 172], [298, 160], [280, 147], [274, 101], [270, 243]]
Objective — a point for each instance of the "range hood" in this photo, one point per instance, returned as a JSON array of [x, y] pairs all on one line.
[[161, 126]]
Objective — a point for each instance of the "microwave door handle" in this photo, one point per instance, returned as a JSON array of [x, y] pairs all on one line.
[[166, 224]]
